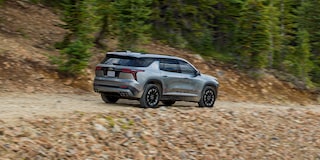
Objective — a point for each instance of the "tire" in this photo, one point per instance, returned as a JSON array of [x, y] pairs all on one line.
[[109, 99], [168, 102], [150, 97], [208, 97]]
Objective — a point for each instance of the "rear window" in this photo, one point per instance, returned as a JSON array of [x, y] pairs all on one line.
[[127, 61]]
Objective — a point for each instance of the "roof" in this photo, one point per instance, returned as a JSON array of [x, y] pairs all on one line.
[[142, 55]]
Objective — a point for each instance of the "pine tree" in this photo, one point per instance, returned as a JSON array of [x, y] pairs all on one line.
[[106, 13], [309, 19], [288, 33], [275, 38], [80, 19], [303, 64], [253, 35], [131, 20], [184, 24], [224, 24]]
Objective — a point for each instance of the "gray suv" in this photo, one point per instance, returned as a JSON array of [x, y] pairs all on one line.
[[151, 78]]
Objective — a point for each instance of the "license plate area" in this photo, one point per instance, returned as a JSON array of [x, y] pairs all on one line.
[[111, 73]]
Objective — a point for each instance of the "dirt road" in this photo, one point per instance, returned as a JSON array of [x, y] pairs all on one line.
[[14, 106], [230, 130]]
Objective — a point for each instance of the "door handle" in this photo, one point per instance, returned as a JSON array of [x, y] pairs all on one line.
[[165, 76]]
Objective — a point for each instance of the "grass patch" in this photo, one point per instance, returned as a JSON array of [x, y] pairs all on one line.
[[111, 121], [22, 33], [3, 51], [2, 2], [224, 57]]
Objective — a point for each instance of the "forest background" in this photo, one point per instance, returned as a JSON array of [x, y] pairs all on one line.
[[255, 35]]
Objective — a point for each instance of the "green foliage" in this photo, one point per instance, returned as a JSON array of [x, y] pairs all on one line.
[[2, 2], [111, 121], [201, 42], [106, 21], [131, 17], [253, 35], [275, 39], [220, 56], [74, 58], [299, 62], [256, 34], [80, 19], [184, 24], [310, 21], [50, 3]]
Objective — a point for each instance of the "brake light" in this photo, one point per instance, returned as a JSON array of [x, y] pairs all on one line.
[[98, 68], [133, 72]]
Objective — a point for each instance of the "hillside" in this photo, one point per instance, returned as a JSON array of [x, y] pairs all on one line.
[[45, 115], [28, 33]]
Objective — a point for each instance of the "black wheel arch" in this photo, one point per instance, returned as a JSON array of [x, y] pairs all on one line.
[[156, 82], [214, 86]]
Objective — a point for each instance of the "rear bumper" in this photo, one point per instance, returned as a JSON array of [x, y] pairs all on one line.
[[118, 87]]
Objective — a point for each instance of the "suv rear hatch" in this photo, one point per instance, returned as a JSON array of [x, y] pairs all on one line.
[[121, 67]]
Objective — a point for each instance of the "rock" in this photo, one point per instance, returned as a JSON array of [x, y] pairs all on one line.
[[150, 139], [183, 155], [129, 134], [30, 89], [68, 82], [116, 128], [163, 108], [139, 156], [208, 157], [220, 73], [39, 76], [100, 127], [318, 99], [22, 4], [197, 56], [264, 91], [1, 131]]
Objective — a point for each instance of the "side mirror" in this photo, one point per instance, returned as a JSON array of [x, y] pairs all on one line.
[[197, 73]]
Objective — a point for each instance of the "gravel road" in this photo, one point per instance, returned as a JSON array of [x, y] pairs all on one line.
[[14, 106], [73, 126]]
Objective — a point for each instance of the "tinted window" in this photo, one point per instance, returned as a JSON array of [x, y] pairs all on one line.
[[128, 61], [186, 68], [169, 65]]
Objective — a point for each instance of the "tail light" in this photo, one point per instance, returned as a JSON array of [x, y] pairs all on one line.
[[132, 71], [98, 68]]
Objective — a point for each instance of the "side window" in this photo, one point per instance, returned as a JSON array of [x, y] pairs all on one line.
[[169, 65], [186, 68]]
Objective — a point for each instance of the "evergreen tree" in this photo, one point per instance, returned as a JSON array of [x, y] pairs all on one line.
[[288, 33], [253, 35], [303, 64], [131, 20], [275, 38], [224, 24], [184, 23], [80, 20], [309, 19], [106, 13]]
